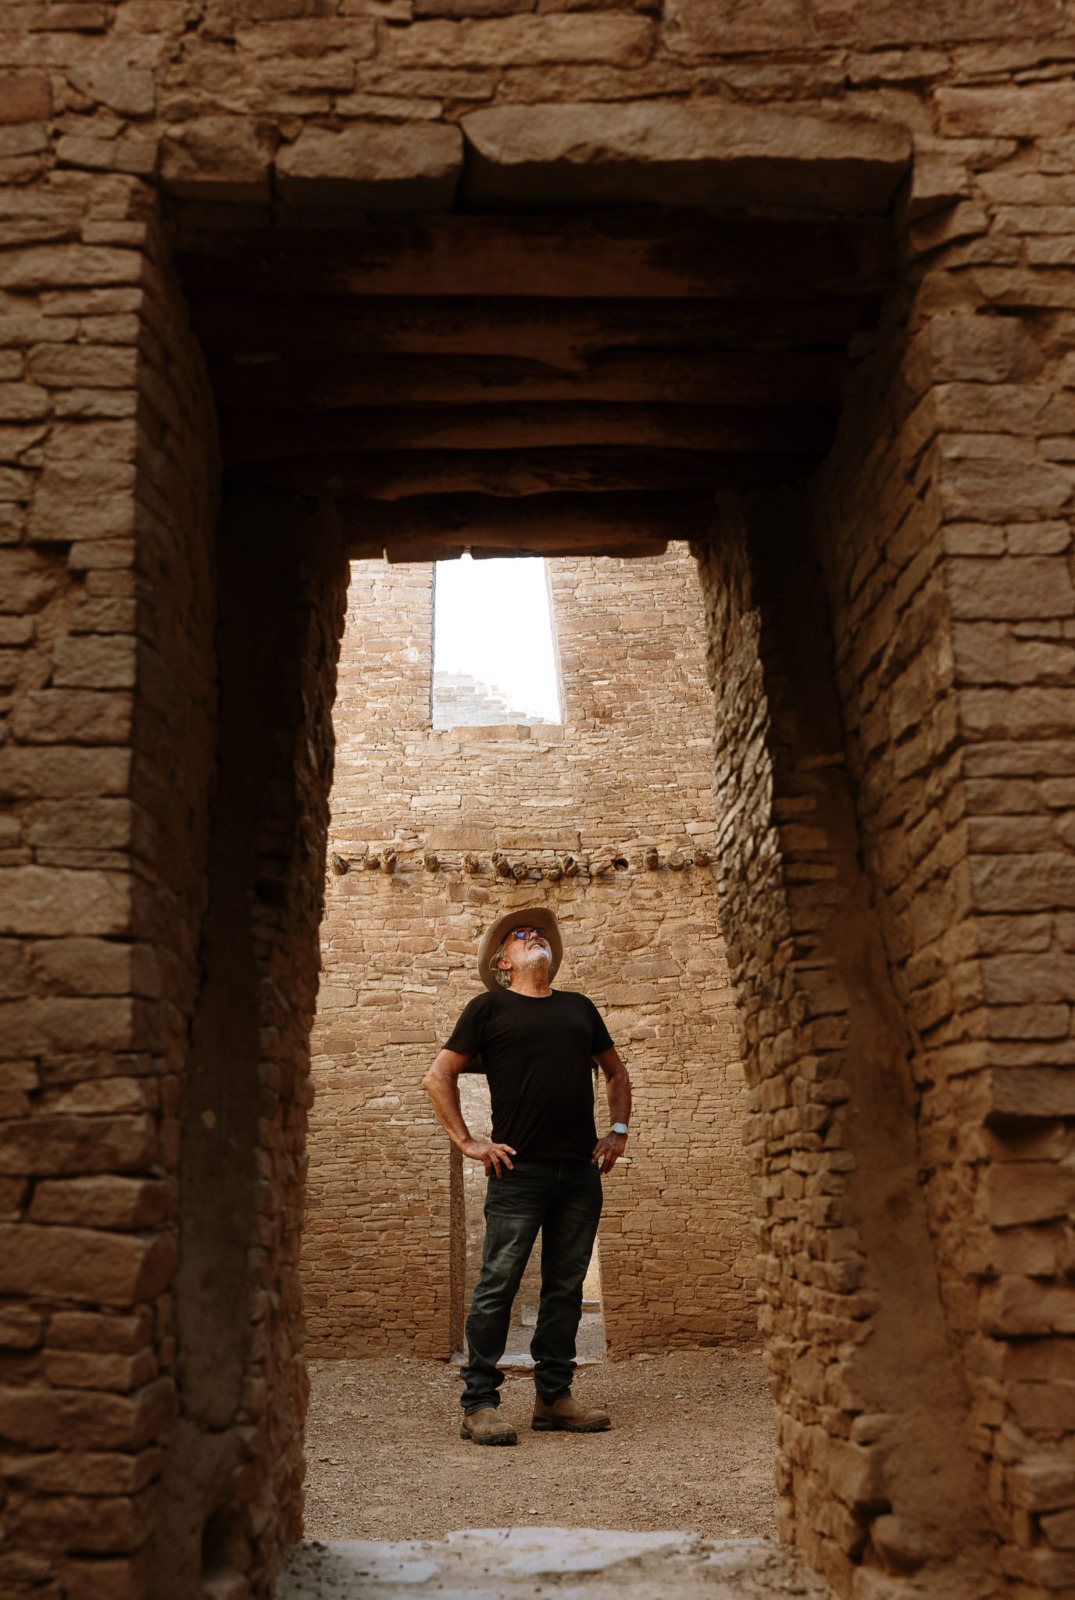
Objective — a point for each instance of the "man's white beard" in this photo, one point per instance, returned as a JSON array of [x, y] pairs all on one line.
[[535, 953]]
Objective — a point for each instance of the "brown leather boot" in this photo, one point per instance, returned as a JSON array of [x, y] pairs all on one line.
[[568, 1415], [486, 1427]]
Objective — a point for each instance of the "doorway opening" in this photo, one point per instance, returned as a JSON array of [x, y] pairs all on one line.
[[607, 817], [674, 382]]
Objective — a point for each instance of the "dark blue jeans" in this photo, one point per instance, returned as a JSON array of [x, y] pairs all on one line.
[[563, 1199]]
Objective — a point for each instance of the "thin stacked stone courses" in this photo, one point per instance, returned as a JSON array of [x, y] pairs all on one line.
[[974, 738]]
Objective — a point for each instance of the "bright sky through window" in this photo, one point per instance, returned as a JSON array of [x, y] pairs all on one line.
[[492, 622]]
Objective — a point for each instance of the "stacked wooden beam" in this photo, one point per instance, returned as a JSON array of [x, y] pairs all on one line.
[[545, 384]]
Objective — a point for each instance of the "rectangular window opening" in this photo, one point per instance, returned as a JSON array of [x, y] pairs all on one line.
[[494, 654]]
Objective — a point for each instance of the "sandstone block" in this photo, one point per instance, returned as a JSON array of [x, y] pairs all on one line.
[[82, 1471], [307, 39], [708, 153], [974, 350], [138, 156], [1023, 979], [74, 1144], [334, 74], [25, 97], [89, 366], [1019, 1192], [93, 1330], [20, 1328], [27, 581], [1059, 1529], [104, 824], [471, 8], [69, 266], [103, 1578], [1028, 1022], [83, 1264], [63, 773], [1016, 1306], [388, 108], [1033, 111], [370, 166], [103, 1201], [97, 966], [219, 158], [1001, 490], [1043, 1483], [1031, 1091], [715, 27], [430, 86], [12, 1195], [56, 900], [527, 41], [938, 179], [80, 1420], [98, 1369], [23, 402], [1015, 588], [73, 716], [1017, 713], [127, 89], [95, 662], [23, 139]]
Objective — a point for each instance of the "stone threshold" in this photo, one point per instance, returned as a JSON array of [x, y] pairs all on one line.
[[577, 1563]]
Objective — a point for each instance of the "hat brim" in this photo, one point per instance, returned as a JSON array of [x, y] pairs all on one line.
[[522, 917]]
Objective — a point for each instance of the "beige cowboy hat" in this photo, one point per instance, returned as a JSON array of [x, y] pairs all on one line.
[[524, 917]]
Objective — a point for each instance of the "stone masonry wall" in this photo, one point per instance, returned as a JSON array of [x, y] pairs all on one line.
[[941, 530], [942, 525], [945, 527], [231, 1497], [628, 772], [110, 696], [874, 1462], [108, 704]]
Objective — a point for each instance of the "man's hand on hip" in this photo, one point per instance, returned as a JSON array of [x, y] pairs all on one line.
[[607, 1151], [490, 1155]]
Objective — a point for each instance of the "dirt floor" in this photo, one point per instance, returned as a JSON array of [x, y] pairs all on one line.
[[691, 1447]]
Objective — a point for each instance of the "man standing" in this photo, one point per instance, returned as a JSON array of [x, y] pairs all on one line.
[[537, 1047]]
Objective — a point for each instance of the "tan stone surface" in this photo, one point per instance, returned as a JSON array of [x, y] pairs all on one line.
[[956, 731], [709, 153], [369, 165]]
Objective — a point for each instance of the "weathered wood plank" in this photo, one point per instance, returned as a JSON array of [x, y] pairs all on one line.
[[637, 254], [544, 524], [251, 436], [558, 332], [729, 377], [406, 548], [403, 474]]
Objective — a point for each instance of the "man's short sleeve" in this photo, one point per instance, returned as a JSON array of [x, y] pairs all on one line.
[[466, 1039], [600, 1040]]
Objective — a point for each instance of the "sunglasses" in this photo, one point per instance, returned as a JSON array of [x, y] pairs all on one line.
[[521, 933]]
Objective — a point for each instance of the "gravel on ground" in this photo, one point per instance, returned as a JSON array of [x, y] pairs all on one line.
[[691, 1447]]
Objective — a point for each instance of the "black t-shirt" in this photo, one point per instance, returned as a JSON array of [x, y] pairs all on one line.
[[538, 1057]]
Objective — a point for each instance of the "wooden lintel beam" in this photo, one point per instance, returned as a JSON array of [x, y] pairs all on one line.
[[258, 436], [647, 254], [729, 377], [405, 549], [557, 332], [403, 474], [563, 524]]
